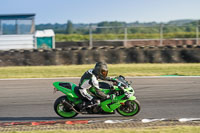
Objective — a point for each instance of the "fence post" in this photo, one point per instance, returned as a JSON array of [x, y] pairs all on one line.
[[33, 26], [90, 32], [161, 34], [17, 26], [125, 35], [0, 28], [197, 33]]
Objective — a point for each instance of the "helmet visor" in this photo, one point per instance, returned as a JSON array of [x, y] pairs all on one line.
[[104, 73]]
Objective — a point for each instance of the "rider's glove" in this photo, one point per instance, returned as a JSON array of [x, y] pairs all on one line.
[[110, 79]]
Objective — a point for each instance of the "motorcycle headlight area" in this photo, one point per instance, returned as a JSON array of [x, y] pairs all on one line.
[[128, 95]]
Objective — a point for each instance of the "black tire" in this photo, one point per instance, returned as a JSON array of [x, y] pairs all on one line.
[[64, 112], [134, 105]]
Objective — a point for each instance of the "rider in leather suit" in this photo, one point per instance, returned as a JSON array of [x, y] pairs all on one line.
[[90, 79]]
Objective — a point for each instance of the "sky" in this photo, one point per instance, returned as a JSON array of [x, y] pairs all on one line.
[[94, 11]]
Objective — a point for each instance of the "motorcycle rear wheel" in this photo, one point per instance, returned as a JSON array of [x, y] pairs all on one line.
[[63, 111], [130, 108]]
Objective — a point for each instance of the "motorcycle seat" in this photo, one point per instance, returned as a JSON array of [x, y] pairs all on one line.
[[66, 85]]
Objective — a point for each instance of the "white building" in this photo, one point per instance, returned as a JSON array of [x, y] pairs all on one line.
[[17, 31]]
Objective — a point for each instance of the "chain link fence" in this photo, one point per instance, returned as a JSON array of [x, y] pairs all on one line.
[[129, 33]]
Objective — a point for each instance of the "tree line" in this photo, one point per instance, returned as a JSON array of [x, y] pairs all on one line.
[[116, 27]]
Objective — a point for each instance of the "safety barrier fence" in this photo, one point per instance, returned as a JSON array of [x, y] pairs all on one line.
[[112, 55]]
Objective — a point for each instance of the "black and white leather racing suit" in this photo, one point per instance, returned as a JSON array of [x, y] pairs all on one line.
[[87, 81]]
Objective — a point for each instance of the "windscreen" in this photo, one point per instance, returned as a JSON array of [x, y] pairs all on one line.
[[123, 81]]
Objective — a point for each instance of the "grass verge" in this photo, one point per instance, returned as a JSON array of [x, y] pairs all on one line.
[[174, 129], [192, 69]]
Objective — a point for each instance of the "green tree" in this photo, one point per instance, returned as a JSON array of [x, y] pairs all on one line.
[[69, 28], [113, 24]]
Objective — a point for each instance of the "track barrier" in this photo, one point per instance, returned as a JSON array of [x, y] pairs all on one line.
[[112, 55], [98, 121]]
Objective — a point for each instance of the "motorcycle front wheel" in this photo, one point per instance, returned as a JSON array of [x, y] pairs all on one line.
[[130, 108], [62, 110]]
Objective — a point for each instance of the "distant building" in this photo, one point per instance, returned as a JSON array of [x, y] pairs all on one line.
[[17, 31]]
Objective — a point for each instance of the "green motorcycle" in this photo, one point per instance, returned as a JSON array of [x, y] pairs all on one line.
[[124, 102]]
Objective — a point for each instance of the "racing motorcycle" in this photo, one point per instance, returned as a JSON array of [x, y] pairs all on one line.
[[124, 102]]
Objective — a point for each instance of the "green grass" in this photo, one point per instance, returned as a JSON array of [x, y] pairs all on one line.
[[174, 129], [112, 36], [114, 70]]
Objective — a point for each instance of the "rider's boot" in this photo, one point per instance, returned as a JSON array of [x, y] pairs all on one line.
[[94, 102], [88, 104]]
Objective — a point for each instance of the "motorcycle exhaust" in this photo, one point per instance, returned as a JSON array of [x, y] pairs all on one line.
[[65, 103]]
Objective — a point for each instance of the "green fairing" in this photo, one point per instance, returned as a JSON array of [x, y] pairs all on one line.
[[106, 91], [132, 98], [130, 88], [66, 91], [117, 100], [116, 88], [92, 89]]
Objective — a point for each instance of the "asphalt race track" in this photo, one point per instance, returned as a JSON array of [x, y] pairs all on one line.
[[160, 97]]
